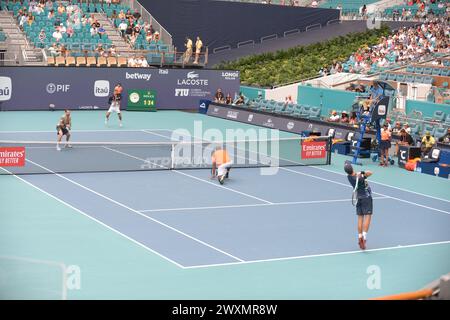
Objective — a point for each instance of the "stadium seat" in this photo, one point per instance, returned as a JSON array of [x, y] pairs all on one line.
[[297, 111], [112, 61], [305, 111], [409, 78], [91, 61], [392, 76], [428, 80], [102, 62], [81, 61], [447, 120], [445, 72], [439, 116], [279, 106], [314, 113], [418, 70], [70, 61], [410, 69], [289, 109], [122, 62], [383, 76], [60, 61], [401, 77], [418, 79], [436, 72], [428, 128], [427, 70]]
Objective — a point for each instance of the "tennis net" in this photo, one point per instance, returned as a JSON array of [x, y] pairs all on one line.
[[40, 157]]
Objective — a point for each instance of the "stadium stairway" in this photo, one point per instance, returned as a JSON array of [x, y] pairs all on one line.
[[18, 40], [121, 45]]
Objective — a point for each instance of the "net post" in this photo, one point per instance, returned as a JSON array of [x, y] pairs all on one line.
[[329, 146], [172, 156]]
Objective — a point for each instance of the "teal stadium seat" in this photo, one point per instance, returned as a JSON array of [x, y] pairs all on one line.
[[439, 116]]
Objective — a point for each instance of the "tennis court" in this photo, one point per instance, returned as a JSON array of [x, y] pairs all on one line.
[[177, 234]]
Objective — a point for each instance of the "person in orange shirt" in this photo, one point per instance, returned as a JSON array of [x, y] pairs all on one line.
[[221, 164], [385, 145]]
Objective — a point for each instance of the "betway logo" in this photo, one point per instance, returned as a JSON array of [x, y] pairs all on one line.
[[138, 76], [192, 75]]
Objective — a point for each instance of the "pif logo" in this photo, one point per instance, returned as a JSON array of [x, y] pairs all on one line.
[[5, 88], [101, 88], [12, 157], [181, 92]]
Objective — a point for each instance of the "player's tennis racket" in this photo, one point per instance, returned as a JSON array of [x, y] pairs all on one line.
[[355, 191]]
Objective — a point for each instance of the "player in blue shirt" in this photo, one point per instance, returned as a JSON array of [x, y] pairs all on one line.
[[364, 206]]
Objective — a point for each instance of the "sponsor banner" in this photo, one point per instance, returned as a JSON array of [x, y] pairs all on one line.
[[12, 156], [314, 149], [298, 126], [89, 88]]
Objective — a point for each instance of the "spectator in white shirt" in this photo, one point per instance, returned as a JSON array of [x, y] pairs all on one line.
[[57, 35]]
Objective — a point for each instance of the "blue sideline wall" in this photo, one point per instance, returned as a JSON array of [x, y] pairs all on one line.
[[252, 92], [331, 99], [221, 23], [427, 108]]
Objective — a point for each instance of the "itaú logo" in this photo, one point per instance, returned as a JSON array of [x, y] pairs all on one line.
[[5, 88]]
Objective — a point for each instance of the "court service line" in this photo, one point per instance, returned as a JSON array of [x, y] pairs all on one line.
[[158, 134], [137, 212], [253, 205], [381, 194], [96, 220], [317, 255], [194, 177]]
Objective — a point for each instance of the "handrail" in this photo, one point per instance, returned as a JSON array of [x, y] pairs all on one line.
[[269, 37], [333, 21], [312, 26], [222, 48], [245, 43], [289, 32]]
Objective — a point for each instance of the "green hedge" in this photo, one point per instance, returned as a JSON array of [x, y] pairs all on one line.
[[297, 63]]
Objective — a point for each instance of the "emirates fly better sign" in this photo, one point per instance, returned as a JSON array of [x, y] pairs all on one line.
[[314, 149], [12, 156]]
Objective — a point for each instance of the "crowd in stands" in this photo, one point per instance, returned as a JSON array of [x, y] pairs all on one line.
[[219, 97], [403, 46], [418, 9]]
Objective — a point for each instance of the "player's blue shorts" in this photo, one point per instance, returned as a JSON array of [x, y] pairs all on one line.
[[364, 206]]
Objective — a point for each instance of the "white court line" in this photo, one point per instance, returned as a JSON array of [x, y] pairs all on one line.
[[94, 219], [158, 135], [253, 205], [196, 178], [316, 255], [381, 194], [137, 212]]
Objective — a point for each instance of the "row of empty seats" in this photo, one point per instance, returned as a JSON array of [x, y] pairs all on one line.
[[445, 72], [295, 110], [87, 61], [410, 78]]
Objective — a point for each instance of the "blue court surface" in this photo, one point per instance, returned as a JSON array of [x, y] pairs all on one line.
[[174, 228]]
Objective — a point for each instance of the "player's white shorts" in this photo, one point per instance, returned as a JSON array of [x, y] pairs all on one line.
[[222, 169], [115, 107]]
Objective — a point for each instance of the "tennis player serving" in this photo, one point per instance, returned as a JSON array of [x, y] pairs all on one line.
[[221, 164], [362, 198], [114, 102], [63, 129]]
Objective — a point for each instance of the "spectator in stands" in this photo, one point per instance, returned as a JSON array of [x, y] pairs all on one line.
[[99, 50], [122, 15], [288, 100], [152, 31], [240, 100], [112, 51], [385, 145], [62, 28], [61, 9], [156, 38], [188, 52], [198, 49], [84, 20], [114, 15], [149, 37], [101, 31], [136, 14], [129, 15], [344, 117], [228, 99], [49, 5], [407, 128], [143, 62], [123, 27], [53, 50], [219, 97], [132, 62], [64, 52], [42, 37], [353, 119], [397, 128], [70, 32], [129, 31], [93, 31], [108, 2], [446, 138], [57, 35], [334, 117], [428, 142], [30, 19], [314, 4]]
